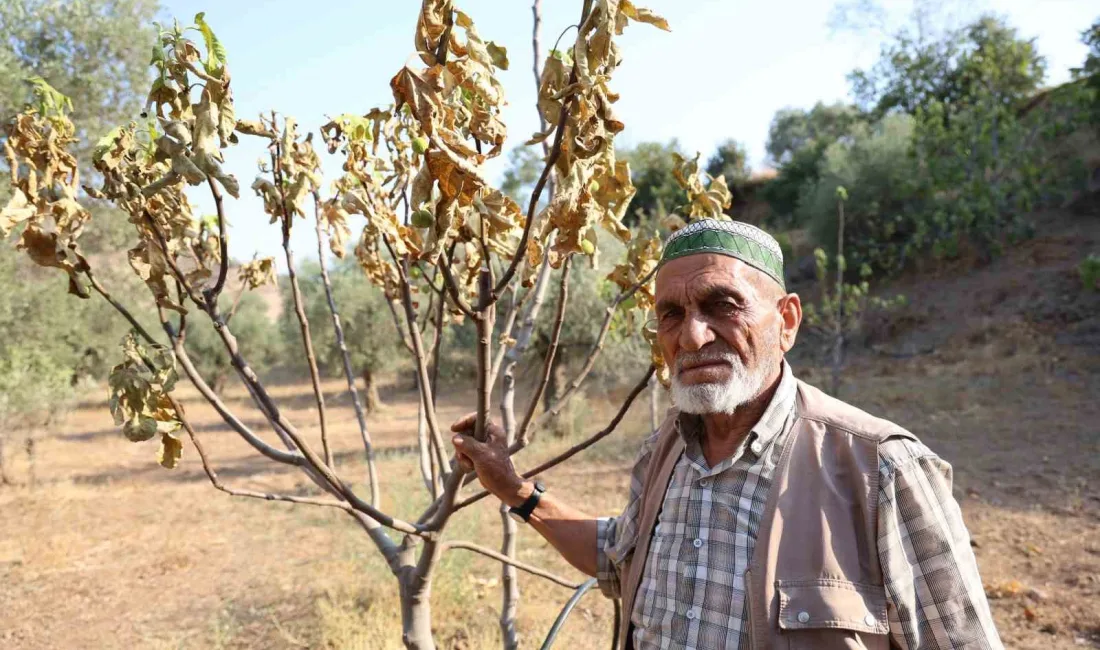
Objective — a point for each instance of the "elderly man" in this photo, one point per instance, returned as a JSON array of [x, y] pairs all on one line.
[[763, 513]]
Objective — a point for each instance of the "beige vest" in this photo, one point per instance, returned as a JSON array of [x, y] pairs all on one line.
[[814, 580]]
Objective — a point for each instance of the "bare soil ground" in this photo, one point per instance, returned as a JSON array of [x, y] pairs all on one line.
[[108, 550]]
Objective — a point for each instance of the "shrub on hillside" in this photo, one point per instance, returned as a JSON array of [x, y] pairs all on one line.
[[875, 167]]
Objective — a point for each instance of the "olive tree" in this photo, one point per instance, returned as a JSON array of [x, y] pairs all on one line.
[[442, 244]]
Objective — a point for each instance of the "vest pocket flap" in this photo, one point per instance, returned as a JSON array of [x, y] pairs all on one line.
[[830, 603]]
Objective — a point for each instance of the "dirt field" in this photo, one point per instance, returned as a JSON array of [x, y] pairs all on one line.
[[999, 373]]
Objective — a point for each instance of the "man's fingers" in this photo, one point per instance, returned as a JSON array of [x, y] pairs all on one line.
[[465, 422], [464, 462], [465, 444]]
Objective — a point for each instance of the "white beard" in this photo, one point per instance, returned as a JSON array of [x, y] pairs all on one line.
[[743, 386]]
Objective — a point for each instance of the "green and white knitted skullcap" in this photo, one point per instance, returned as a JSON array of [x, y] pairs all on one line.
[[743, 241]]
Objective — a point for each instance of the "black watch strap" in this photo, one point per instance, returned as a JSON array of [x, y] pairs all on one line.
[[527, 507]]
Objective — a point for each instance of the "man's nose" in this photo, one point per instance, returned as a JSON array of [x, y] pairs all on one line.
[[695, 332]]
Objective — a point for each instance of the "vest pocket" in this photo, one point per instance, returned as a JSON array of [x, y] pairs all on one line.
[[831, 613]]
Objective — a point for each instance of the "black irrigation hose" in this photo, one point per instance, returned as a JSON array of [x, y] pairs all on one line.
[[573, 600]]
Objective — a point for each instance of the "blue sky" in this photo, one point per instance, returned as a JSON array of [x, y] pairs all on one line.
[[723, 71]]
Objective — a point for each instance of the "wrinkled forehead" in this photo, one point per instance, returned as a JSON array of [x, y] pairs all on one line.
[[689, 278]]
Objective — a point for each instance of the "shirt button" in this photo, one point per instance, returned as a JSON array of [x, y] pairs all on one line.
[[698, 543], [691, 614], [704, 482], [803, 617], [869, 620], [757, 447]]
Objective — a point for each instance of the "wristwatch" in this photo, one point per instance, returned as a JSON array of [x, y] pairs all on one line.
[[523, 512]]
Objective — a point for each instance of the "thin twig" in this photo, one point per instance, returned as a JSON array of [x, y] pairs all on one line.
[[392, 304], [507, 339], [577, 448], [593, 353], [268, 496], [533, 570], [223, 240], [426, 395], [551, 353], [452, 286], [338, 329], [299, 307], [374, 530], [119, 307]]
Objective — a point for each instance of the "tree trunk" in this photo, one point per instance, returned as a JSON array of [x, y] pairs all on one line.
[[371, 391], [416, 615]]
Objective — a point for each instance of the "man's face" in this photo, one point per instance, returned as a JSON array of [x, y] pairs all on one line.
[[723, 327]]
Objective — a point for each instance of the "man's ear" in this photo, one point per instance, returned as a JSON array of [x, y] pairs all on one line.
[[790, 315]]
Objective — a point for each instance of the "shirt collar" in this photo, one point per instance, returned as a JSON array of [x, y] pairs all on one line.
[[766, 429]]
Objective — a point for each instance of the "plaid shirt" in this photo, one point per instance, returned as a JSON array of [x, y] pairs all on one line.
[[692, 593]]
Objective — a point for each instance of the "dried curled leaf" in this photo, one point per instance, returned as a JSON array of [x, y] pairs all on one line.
[[704, 202], [258, 273], [642, 257], [593, 188], [45, 181], [138, 391]]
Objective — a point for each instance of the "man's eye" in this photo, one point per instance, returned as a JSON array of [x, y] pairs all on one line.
[[722, 307], [668, 318]]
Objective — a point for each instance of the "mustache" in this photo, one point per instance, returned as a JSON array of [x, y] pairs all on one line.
[[711, 353]]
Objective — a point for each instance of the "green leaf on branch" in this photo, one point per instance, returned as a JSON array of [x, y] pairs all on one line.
[[215, 52]]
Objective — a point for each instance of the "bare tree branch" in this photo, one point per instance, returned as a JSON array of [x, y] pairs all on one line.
[[426, 395], [223, 242], [593, 353], [449, 281], [522, 566], [287, 457], [118, 306], [551, 352], [392, 304], [299, 308], [507, 340], [271, 411], [381, 539], [338, 329], [577, 448]]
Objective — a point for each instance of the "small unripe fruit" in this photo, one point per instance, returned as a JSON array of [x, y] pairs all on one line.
[[420, 144], [423, 219], [588, 247]]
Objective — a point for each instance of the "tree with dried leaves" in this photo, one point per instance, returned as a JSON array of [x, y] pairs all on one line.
[[440, 241]]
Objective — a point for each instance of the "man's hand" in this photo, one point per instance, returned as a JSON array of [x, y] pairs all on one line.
[[571, 531], [491, 461]]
